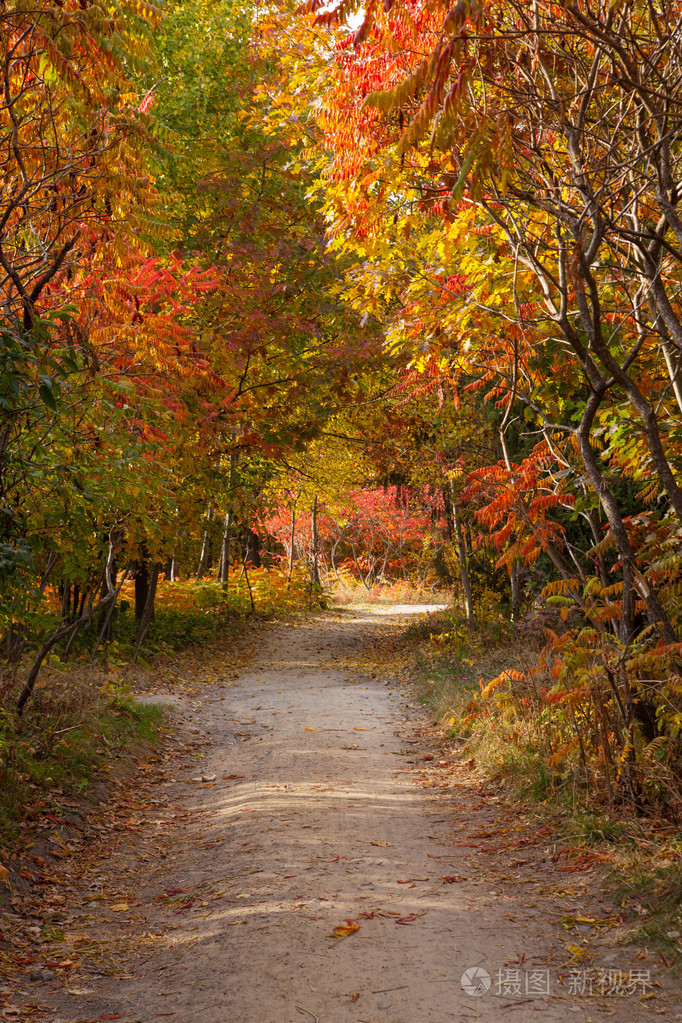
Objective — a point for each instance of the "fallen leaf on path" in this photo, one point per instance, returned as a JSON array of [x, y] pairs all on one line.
[[343, 930], [79, 990], [410, 918], [232, 777], [452, 878], [205, 778], [577, 951], [382, 844], [570, 921], [4, 875], [308, 729], [119, 907]]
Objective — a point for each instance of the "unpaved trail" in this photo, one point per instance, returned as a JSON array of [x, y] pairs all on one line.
[[320, 817]]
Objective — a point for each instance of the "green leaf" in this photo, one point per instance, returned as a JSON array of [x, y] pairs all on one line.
[[47, 396]]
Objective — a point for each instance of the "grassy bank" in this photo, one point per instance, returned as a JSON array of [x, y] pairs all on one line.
[[64, 743]]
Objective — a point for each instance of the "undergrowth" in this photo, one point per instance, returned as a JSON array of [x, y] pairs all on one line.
[[347, 589], [636, 842], [191, 613]]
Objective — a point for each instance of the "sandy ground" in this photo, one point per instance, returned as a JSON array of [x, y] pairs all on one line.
[[322, 809]]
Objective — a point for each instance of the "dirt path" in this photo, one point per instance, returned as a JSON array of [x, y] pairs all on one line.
[[321, 816]]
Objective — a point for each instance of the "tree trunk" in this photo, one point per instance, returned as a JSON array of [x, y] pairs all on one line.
[[205, 557], [171, 570], [314, 570], [673, 365], [252, 546], [66, 599], [292, 538], [225, 553], [514, 580], [107, 614], [245, 572], [463, 568], [148, 611], [224, 574], [141, 586]]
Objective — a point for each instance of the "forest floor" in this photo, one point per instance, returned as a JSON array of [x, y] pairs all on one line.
[[305, 847]]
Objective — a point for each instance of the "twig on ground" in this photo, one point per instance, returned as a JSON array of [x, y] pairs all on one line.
[[307, 1012]]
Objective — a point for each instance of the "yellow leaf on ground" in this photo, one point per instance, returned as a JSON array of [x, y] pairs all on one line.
[[343, 930], [119, 907], [576, 951]]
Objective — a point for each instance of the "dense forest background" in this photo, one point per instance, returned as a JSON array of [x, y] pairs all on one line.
[[376, 299]]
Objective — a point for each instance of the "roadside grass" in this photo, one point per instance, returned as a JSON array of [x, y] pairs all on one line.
[[653, 892], [451, 663], [642, 863], [640, 856], [65, 741]]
